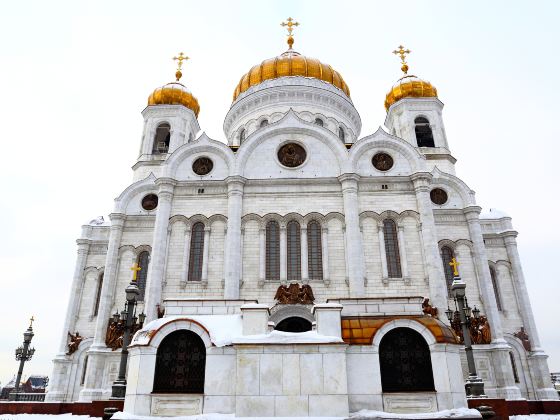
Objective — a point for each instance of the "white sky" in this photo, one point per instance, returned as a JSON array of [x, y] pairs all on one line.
[[77, 74]]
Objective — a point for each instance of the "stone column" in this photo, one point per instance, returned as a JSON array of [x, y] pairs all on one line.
[[97, 352], [328, 319], [382, 253], [422, 255], [186, 256], [262, 255], [354, 245], [537, 358], [402, 251], [304, 256], [157, 260], [325, 250], [283, 253], [205, 255], [436, 278], [505, 381], [58, 387], [233, 255]]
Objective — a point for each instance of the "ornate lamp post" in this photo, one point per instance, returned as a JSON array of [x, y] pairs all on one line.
[[474, 386], [131, 321], [24, 354]]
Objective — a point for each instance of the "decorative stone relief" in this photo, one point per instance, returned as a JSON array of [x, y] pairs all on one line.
[[202, 166], [292, 155]]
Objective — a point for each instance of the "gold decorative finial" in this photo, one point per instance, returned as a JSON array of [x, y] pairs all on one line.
[[290, 23], [31, 321], [402, 53], [454, 263], [178, 73], [135, 268]]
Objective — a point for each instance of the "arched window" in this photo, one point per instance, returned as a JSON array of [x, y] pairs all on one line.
[[196, 252], [424, 136], [161, 141], [98, 294], [392, 249], [446, 257], [272, 251], [242, 136], [294, 251], [341, 134], [294, 324], [494, 278], [263, 123], [84, 370], [405, 362], [180, 364], [143, 261], [319, 122], [314, 251]]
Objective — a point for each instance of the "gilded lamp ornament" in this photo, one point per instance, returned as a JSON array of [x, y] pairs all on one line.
[[408, 86], [175, 93], [290, 63]]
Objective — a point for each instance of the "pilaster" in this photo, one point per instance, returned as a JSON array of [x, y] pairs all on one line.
[[233, 254]]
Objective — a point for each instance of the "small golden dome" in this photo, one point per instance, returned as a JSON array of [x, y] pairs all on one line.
[[174, 93], [290, 63], [409, 87]]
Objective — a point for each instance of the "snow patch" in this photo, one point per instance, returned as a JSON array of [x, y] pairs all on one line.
[[493, 214], [281, 337], [456, 413]]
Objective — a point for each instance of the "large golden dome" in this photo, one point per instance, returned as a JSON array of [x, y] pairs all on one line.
[[409, 87], [290, 63], [174, 93]]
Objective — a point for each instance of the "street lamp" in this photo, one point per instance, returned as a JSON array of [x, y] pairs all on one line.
[[24, 354], [474, 386], [131, 322]]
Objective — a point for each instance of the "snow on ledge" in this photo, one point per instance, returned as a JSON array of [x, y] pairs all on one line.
[[456, 413], [281, 337], [493, 214]]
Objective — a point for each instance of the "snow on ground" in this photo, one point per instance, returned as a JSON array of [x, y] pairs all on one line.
[[45, 417], [456, 413], [536, 417]]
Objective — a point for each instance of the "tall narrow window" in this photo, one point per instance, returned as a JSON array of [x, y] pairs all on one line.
[[494, 278], [424, 136], [341, 134], [446, 257], [314, 251], [84, 370], [294, 251], [242, 136], [392, 249], [98, 294], [272, 251], [514, 367], [161, 141], [143, 261], [197, 252], [263, 123]]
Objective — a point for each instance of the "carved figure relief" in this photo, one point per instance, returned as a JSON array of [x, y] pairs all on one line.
[[74, 342], [150, 202], [428, 309], [438, 196], [524, 337], [382, 161], [294, 293], [479, 329], [292, 155], [115, 332], [202, 166]]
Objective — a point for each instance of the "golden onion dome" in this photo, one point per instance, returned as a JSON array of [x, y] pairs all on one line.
[[290, 63], [409, 87], [175, 93]]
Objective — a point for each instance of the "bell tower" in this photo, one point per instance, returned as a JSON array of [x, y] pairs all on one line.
[[414, 113]]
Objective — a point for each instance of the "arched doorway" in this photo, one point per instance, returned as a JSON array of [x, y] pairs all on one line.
[[180, 364], [404, 358], [294, 324]]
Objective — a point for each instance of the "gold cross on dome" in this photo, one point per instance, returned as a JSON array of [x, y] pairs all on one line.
[[454, 263], [289, 24], [180, 60], [135, 270], [402, 53], [31, 321]]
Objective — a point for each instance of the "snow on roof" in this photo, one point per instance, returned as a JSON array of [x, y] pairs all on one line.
[[493, 214], [281, 337]]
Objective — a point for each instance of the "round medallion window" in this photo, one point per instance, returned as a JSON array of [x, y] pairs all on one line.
[[202, 166], [438, 196], [150, 202], [291, 155], [382, 161]]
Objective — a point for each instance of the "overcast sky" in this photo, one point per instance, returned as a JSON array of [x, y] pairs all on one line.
[[77, 74]]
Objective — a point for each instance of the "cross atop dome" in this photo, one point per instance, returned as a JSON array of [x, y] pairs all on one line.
[[180, 59], [402, 53], [289, 24]]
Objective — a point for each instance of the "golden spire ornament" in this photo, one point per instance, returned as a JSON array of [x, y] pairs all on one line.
[[31, 321], [180, 59], [454, 263], [289, 24], [402, 53]]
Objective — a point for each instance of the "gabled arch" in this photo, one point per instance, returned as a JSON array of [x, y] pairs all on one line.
[[314, 216], [143, 186], [455, 184]]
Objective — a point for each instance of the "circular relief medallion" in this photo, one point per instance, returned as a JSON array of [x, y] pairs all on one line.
[[202, 166], [291, 155], [382, 161], [150, 202], [438, 196]]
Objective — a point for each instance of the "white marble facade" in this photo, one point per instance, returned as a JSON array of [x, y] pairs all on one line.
[[337, 187]]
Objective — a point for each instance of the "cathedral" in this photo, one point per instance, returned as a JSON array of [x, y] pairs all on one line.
[[298, 268]]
